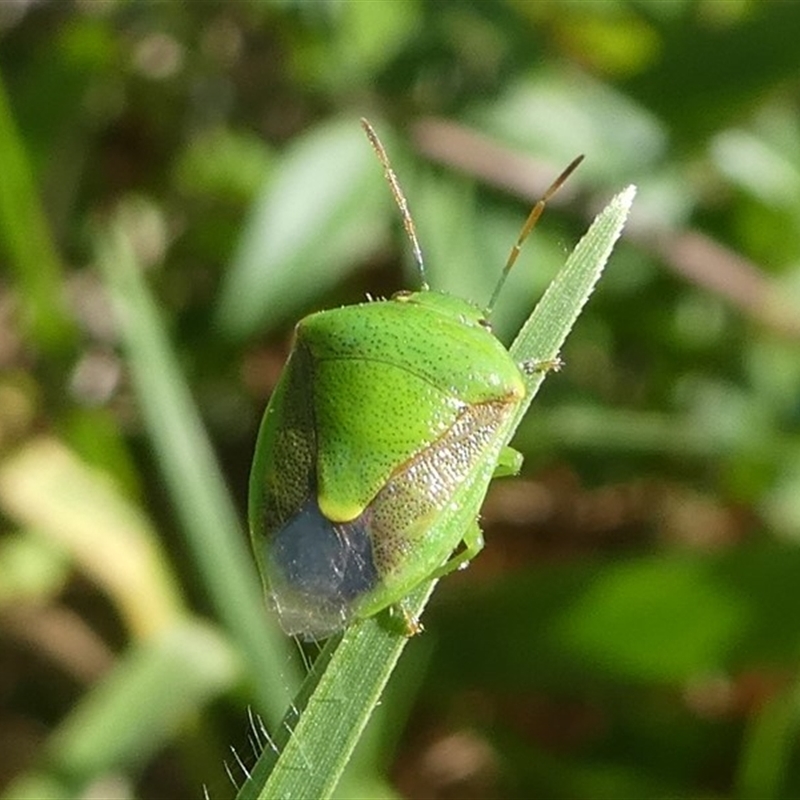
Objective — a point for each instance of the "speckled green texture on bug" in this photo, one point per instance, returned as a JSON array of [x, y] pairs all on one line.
[[378, 442]]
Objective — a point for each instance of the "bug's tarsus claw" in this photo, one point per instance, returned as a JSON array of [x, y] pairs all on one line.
[[536, 366]]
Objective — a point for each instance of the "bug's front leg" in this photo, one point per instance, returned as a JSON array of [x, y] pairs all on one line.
[[535, 366]]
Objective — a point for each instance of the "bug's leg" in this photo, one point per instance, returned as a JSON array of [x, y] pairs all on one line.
[[534, 366], [508, 463], [473, 544], [403, 621]]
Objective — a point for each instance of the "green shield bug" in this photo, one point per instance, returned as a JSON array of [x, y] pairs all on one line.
[[380, 439]]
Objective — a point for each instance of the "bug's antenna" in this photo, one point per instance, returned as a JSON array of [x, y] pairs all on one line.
[[529, 225], [399, 197]]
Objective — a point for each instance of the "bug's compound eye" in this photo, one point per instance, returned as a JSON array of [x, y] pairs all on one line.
[[403, 295]]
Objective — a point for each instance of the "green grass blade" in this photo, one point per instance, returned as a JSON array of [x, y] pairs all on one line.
[[767, 748], [190, 470], [307, 756], [28, 243], [545, 331], [317, 737]]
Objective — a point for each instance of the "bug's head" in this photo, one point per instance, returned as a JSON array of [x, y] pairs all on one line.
[[465, 312]]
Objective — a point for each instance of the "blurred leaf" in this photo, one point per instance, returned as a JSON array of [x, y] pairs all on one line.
[[186, 458], [558, 115], [690, 87], [562, 778], [366, 37], [757, 166], [769, 740], [159, 685], [659, 619], [612, 36], [28, 243], [46, 488], [780, 504], [592, 427], [223, 164], [30, 569], [322, 212], [95, 437]]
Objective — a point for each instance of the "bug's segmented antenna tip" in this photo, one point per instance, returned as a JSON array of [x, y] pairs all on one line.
[[530, 224], [397, 193]]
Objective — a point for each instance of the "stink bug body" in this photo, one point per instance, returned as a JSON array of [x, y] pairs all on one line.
[[380, 439]]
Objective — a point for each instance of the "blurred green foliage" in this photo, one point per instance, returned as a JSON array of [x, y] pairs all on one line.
[[180, 182]]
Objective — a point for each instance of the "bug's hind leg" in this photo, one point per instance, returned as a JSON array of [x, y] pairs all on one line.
[[473, 544]]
